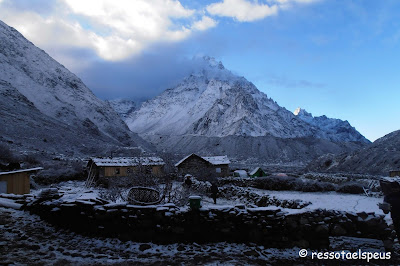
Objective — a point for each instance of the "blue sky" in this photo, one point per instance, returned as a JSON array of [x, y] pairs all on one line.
[[334, 58]]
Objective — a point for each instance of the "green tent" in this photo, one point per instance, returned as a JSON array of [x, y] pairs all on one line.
[[257, 172]]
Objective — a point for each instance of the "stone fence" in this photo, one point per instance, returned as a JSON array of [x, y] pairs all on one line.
[[268, 226]]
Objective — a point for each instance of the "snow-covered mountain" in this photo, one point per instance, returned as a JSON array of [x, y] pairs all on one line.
[[214, 102], [124, 107], [215, 111], [46, 93], [331, 128]]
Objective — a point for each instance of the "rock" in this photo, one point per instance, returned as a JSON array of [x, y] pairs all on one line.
[[252, 253], [338, 230], [303, 220], [388, 244], [292, 223], [181, 248], [48, 193], [240, 206], [362, 215], [372, 221], [302, 243], [144, 247]]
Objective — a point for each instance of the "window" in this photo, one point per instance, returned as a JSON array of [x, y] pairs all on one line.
[[3, 186], [117, 171], [218, 170]]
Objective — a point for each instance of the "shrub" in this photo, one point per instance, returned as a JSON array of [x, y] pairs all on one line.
[[7, 155], [31, 160], [316, 186], [291, 183], [275, 183], [351, 188]]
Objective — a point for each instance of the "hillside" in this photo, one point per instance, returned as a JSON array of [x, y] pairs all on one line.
[[379, 158], [48, 109]]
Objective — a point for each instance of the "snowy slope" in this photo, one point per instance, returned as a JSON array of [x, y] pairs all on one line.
[[53, 93], [216, 103], [124, 107], [331, 128]]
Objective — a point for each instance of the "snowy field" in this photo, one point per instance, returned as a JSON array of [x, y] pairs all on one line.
[[330, 200]]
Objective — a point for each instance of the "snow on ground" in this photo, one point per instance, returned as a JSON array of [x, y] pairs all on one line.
[[331, 201], [8, 203]]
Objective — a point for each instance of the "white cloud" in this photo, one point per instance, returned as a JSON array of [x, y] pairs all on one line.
[[251, 10], [242, 10], [146, 20], [115, 30], [286, 4], [204, 24]]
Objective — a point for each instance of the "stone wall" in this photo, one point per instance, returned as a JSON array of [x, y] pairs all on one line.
[[269, 226]]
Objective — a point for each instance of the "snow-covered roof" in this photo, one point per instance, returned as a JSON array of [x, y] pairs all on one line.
[[254, 171], [214, 160], [128, 161], [217, 160], [21, 171]]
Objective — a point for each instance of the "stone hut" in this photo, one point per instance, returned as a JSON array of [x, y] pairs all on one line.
[[214, 166]]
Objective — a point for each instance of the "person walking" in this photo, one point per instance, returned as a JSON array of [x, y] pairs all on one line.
[[214, 192]]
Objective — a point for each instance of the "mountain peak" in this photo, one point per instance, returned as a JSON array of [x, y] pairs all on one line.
[[301, 112], [212, 62]]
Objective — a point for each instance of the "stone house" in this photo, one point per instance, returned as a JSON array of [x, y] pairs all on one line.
[[214, 166]]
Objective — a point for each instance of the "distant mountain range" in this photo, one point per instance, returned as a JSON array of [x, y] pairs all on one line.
[[45, 108], [331, 128]]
